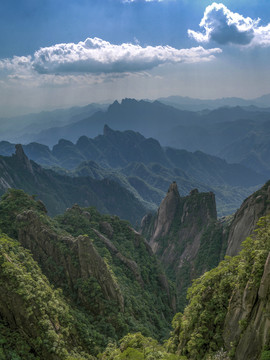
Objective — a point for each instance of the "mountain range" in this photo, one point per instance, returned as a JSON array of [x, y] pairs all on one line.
[[31, 124], [187, 103], [85, 285], [61, 191], [238, 134], [145, 168]]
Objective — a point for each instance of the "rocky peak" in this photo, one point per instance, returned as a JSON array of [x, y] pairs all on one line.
[[22, 158], [166, 212], [107, 131], [246, 218], [183, 231], [194, 192], [114, 106], [173, 189]]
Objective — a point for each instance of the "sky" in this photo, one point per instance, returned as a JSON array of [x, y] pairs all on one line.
[[62, 53]]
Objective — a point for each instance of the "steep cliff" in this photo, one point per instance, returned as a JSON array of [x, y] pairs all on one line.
[[228, 312], [186, 236], [246, 218], [165, 216], [68, 261], [247, 322]]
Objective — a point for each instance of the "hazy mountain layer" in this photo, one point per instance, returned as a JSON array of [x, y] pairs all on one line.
[[237, 134], [26, 127], [60, 191], [187, 103], [146, 169]]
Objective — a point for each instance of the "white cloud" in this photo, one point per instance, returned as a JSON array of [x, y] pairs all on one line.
[[96, 56], [262, 35], [226, 27], [23, 63]]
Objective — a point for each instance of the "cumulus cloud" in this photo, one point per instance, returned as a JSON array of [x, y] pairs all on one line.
[[23, 63], [96, 56], [226, 27], [262, 35]]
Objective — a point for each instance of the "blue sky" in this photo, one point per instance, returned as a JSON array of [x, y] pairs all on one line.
[[57, 53]]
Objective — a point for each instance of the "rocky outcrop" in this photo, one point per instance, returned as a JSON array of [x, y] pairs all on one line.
[[165, 215], [67, 260], [185, 234], [130, 264], [106, 229], [92, 265], [22, 158], [181, 220], [246, 218]]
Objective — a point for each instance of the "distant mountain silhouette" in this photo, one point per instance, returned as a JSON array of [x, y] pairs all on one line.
[[60, 191], [217, 132], [145, 168], [187, 103], [24, 128]]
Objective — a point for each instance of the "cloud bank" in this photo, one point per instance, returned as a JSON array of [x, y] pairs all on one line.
[[96, 56], [226, 27]]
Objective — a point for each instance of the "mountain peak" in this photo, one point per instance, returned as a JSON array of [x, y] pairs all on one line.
[[107, 130], [173, 189], [19, 152], [23, 159], [129, 101], [113, 106], [166, 213]]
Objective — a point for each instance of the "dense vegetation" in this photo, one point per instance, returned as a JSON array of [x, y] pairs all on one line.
[[200, 330], [145, 298], [42, 316], [36, 321], [80, 301]]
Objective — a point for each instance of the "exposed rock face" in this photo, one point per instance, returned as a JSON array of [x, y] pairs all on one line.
[[166, 214], [189, 215], [130, 264], [247, 322], [184, 229], [65, 259], [92, 264], [107, 229], [246, 218], [20, 155]]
